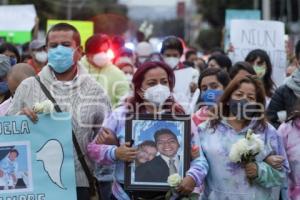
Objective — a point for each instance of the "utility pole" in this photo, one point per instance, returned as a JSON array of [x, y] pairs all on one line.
[[69, 10], [266, 8], [289, 10]]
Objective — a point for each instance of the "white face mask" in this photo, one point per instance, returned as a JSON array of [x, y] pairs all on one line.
[[41, 56], [129, 77], [171, 61], [157, 94], [101, 59]]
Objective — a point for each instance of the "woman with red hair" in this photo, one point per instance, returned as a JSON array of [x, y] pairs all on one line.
[[153, 85]]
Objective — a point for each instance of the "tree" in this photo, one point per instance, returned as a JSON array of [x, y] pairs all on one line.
[[213, 12]]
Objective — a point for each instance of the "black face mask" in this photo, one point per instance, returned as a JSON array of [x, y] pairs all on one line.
[[242, 109]]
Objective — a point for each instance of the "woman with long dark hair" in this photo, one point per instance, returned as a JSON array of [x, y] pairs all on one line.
[[153, 84], [261, 63], [240, 108]]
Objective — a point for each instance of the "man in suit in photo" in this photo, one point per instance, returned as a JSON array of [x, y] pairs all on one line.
[[163, 165]]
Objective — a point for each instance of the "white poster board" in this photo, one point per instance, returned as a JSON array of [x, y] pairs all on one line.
[[247, 35], [231, 14], [182, 93], [17, 17]]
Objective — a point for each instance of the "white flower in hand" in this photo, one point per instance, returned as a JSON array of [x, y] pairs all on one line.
[[44, 107], [255, 144], [174, 180], [237, 150], [246, 147]]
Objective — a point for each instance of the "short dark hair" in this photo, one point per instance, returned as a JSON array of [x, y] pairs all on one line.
[[297, 50], [10, 47], [14, 151], [217, 50], [189, 53], [65, 27], [147, 143], [222, 76], [222, 60], [163, 132], [172, 42], [241, 66]]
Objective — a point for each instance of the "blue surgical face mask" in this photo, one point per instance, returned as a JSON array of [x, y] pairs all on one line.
[[60, 58], [211, 95], [3, 87], [13, 61]]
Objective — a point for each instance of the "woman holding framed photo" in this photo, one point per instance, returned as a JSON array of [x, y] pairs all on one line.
[[239, 118], [153, 86]]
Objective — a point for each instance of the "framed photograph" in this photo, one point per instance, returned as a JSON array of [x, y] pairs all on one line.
[[15, 167], [163, 143]]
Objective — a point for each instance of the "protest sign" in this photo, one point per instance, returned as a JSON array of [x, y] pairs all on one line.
[[19, 32], [232, 14], [36, 160], [247, 35], [182, 93]]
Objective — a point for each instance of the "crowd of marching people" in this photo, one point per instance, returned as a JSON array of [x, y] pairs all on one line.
[[103, 81]]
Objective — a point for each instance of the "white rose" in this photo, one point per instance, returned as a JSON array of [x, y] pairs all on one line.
[[237, 150], [38, 107], [48, 106], [43, 107], [252, 143], [255, 144], [174, 180]]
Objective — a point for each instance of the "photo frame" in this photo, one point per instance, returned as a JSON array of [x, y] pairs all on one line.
[[15, 167], [163, 144]]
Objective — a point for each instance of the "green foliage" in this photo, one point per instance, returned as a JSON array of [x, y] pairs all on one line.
[[213, 11]]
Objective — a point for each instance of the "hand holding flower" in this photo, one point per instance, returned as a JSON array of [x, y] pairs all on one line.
[[186, 186], [181, 188], [44, 107], [244, 152], [251, 170]]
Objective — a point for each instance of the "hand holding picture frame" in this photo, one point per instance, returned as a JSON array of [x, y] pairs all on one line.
[[163, 143]]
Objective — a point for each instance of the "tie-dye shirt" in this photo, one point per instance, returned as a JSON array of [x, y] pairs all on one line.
[[105, 154], [227, 180], [290, 133]]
